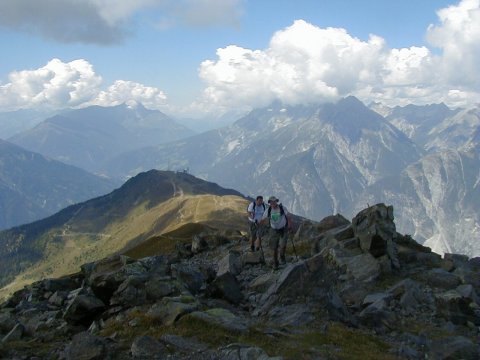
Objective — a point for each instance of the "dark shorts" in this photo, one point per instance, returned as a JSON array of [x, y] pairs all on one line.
[[257, 230], [278, 238]]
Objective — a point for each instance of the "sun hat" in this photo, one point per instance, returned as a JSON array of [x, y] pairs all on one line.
[[272, 199]]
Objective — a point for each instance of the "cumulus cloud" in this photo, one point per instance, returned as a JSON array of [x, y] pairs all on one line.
[[60, 85], [128, 91], [107, 22], [305, 63]]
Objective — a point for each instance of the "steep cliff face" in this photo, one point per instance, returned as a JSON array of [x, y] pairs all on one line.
[[436, 201]]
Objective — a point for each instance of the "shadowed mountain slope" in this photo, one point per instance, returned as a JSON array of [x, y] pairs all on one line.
[[33, 187]]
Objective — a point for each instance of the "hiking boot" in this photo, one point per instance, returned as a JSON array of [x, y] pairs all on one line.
[[275, 265], [252, 248], [282, 259], [257, 249]]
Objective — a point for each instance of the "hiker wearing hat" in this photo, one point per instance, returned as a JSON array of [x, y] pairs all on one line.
[[257, 229], [280, 223]]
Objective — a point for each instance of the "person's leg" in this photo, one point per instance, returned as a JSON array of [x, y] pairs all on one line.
[[274, 239], [283, 246], [253, 235]]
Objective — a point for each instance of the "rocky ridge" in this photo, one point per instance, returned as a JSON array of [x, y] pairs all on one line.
[[349, 289]]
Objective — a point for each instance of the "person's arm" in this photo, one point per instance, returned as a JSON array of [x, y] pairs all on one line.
[[289, 219], [251, 215], [264, 217]]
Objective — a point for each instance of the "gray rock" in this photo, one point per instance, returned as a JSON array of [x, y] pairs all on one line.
[[106, 275], [199, 244], [15, 334], [83, 309], [244, 352], [158, 265], [467, 291], [221, 318], [168, 312], [439, 278], [457, 347], [362, 267], [184, 344], [58, 298], [189, 276], [372, 298], [157, 288], [146, 347], [131, 292], [454, 307], [253, 258], [7, 322], [291, 315], [375, 229], [261, 283], [85, 346], [226, 287], [231, 263], [377, 316]]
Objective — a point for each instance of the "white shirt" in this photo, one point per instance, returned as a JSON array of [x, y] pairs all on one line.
[[259, 210], [277, 221]]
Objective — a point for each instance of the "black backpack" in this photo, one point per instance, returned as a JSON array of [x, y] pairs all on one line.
[[255, 205]]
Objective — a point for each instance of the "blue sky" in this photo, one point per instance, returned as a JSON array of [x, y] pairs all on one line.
[[195, 57]]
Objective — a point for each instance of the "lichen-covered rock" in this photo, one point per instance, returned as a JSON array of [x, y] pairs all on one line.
[[146, 347]]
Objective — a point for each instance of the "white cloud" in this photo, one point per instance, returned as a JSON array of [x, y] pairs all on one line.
[[458, 36], [305, 63], [107, 22], [127, 91], [60, 85]]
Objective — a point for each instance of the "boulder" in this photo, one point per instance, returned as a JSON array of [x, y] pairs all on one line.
[[455, 308], [131, 292], [253, 258], [244, 352], [231, 263], [226, 287], [106, 275], [15, 334], [184, 345], [189, 276], [199, 244], [157, 288], [375, 229], [168, 311], [85, 346], [146, 347], [439, 278], [456, 347], [83, 308], [221, 318]]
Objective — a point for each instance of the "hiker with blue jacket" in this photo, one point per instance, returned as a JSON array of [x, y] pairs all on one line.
[[280, 224], [257, 229]]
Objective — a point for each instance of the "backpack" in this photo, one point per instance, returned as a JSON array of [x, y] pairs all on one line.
[[255, 205], [282, 212]]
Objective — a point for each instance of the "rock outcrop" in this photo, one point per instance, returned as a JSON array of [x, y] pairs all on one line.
[[349, 288]]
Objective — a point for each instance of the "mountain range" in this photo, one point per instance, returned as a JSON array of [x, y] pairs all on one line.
[[33, 186], [329, 158], [88, 137], [319, 159], [149, 205]]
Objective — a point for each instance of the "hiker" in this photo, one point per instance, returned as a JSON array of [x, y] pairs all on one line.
[[280, 223], [255, 213]]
